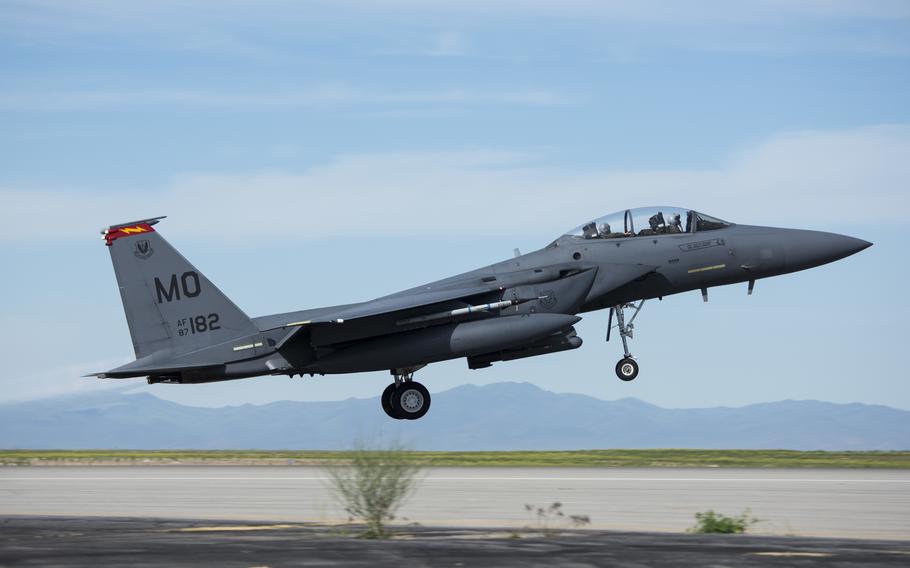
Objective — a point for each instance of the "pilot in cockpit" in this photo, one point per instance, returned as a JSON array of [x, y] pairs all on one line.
[[674, 224], [657, 224], [605, 232]]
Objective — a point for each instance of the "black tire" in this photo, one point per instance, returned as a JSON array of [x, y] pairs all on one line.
[[386, 400], [410, 400], [627, 369]]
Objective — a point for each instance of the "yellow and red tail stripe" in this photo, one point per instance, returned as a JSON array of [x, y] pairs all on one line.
[[115, 233]]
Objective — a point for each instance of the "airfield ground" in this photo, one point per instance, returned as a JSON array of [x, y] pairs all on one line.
[[181, 508], [843, 503], [41, 541], [587, 458]]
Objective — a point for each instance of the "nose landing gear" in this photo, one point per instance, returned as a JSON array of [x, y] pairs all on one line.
[[627, 367], [405, 399]]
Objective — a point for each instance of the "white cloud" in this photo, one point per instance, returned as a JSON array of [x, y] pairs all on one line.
[[441, 44], [335, 94], [447, 44], [812, 179], [248, 30], [162, 13], [64, 380]]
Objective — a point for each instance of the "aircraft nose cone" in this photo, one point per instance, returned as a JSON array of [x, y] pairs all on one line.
[[805, 249]]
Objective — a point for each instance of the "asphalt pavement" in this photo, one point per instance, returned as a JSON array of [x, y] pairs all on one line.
[[138, 543]]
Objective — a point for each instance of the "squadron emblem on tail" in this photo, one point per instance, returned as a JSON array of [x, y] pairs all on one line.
[[143, 250]]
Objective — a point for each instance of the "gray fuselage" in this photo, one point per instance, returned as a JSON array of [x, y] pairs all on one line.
[[187, 331]]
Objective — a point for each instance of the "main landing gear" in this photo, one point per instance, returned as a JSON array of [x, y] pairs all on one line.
[[627, 367], [405, 399]]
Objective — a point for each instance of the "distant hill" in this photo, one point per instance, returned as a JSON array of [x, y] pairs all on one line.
[[503, 416]]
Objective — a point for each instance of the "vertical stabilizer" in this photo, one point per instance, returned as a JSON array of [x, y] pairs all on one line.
[[169, 304]]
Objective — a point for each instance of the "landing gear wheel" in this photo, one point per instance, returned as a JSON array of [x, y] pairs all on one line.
[[627, 369], [386, 400], [410, 400]]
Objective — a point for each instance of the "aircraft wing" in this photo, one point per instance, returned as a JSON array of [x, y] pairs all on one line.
[[385, 305], [457, 298], [466, 288]]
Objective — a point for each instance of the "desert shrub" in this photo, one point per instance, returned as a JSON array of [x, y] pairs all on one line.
[[548, 519], [710, 522], [374, 483]]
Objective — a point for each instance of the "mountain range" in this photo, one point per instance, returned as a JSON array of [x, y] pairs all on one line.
[[501, 416]]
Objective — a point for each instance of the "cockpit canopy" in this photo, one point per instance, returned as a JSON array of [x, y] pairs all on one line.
[[647, 222]]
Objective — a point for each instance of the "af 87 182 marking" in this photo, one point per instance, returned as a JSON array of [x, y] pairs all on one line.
[[198, 324]]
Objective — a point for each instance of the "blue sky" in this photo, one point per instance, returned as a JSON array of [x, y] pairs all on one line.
[[312, 153]]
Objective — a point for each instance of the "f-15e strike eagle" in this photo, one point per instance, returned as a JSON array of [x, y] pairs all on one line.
[[184, 330]]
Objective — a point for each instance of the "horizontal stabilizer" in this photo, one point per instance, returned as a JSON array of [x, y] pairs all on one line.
[[140, 369]]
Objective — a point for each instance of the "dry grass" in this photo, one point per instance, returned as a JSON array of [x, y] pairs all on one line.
[[582, 458]]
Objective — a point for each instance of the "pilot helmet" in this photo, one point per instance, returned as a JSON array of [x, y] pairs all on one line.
[[604, 228]]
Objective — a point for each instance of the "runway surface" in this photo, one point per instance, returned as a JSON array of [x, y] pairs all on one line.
[[810, 502]]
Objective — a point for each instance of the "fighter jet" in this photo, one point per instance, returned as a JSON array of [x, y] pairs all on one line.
[[185, 330]]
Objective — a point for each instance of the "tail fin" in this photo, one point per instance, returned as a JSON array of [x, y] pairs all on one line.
[[169, 304]]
